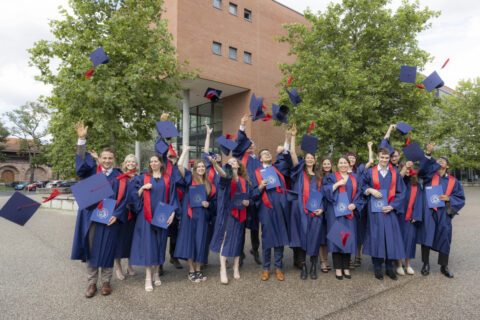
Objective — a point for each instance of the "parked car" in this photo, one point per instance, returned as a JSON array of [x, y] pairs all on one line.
[[52, 184], [13, 184], [20, 186], [67, 183], [41, 184], [31, 187]]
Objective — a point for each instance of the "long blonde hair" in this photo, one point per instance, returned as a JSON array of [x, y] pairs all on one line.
[[201, 179], [124, 163]]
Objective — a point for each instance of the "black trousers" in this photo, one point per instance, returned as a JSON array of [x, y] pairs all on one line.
[[442, 257], [341, 260], [254, 239]]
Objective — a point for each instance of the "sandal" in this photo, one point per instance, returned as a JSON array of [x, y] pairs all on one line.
[[358, 262], [324, 267]]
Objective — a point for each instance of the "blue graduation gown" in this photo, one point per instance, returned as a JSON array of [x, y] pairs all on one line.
[[228, 229], [409, 229], [149, 242], [192, 241], [383, 230], [274, 221], [125, 232], [362, 216], [305, 231], [436, 229], [105, 238], [331, 198], [213, 213]]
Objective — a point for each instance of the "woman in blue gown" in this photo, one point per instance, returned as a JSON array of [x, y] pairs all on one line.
[[326, 168], [192, 236], [149, 242], [334, 184], [229, 230], [125, 234]]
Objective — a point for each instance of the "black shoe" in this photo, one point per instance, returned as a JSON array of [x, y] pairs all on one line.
[[313, 268], [446, 272], [391, 274], [176, 263], [297, 264], [242, 257], [256, 256], [426, 269], [347, 276], [303, 274], [339, 277], [160, 270], [379, 274]]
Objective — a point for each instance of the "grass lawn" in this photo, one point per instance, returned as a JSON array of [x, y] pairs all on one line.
[[3, 188]]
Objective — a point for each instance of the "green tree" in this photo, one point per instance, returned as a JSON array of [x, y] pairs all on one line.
[[346, 71], [3, 137], [457, 125], [122, 100], [29, 125]]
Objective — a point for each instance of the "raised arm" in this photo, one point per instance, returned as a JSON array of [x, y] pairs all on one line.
[[206, 147], [370, 155], [293, 151], [81, 130], [181, 160], [217, 167], [389, 131]]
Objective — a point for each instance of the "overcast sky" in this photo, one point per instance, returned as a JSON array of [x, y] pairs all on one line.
[[455, 35]]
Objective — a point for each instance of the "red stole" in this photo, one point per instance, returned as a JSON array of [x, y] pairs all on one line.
[[212, 193], [393, 183], [169, 167], [342, 189], [211, 174], [306, 190], [147, 205], [241, 215], [265, 200], [121, 190], [451, 184], [413, 196], [245, 159]]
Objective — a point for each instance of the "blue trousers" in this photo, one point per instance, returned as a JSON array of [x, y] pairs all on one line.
[[267, 257], [377, 263]]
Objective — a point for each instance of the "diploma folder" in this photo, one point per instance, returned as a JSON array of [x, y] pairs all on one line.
[[433, 196], [161, 215], [197, 194], [314, 201], [103, 215], [376, 205], [271, 176], [341, 205], [238, 197]]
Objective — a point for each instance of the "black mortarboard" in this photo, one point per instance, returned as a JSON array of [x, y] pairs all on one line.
[[166, 129], [309, 144], [280, 113], [433, 81], [403, 128], [92, 190], [256, 108], [408, 74], [99, 57], [212, 94], [294, 97], [226, 145], [19, 208], [413, 152]]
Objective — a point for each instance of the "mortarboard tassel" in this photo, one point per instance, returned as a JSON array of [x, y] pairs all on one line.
[[268, 116], [263, 107], [89, 73], [445, 63], [407, 143], [312, 126], [54, 194], [210, 95], [125, 174], [344, 237], [109, 182], [171, 151], [289, 81], [420, 86], [412, 172]]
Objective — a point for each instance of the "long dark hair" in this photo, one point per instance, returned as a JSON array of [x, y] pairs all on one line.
[[242, 172], [201, 179], [162, 167], [355, 165], [323, 172], [316, 170]]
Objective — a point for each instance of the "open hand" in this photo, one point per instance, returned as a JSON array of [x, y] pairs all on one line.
[[147, 186], [209, 130], [205, 204], [244, 120], [81, 130], [164, 117], [387, 209]]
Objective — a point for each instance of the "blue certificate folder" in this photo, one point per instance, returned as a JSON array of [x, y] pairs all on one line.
[[271, 176], [376, 205], [92, 190], [341, 205], [104, 215], [161, 215], [314, 201], [237, 200], [433, 196], [197, 195]]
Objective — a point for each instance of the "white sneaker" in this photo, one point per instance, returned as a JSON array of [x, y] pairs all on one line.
[[410, 270], [400, 271]]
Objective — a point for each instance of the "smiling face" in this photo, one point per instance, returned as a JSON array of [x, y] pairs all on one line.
[[309, 160], [383, 159], [106, 160], [131, 164], [233, 163], [200, 169], [327, 165], [352, 160], [343, 165], [395, 157], [155, 163], [265, 157], [443, 163]]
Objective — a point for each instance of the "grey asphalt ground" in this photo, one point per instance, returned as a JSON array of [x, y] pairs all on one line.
[[39, 281]]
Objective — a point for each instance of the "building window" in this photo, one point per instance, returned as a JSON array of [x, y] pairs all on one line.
[[247, 57], [217, 48], [247, 14], [232, 9], [232, 53], [217, 4]]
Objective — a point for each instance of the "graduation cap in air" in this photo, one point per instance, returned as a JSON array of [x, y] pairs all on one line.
[[407, 74], [19, 208], [92, 190], [212, 94], [256, 105], [280, 113], [340, 235], [226, 145], [160, 146], [433, 81], [413, 152], [309, 144], [166, 129], [243, 143], [294, 97], [403, 128], [97, 57]]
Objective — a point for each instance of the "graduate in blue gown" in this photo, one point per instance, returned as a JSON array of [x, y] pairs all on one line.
[[334, 184], [192, 236], [149, 242], [362, 218], [411, 217], [383, 239], [94, 242], [436, 230], [273, 211], [385, 143], [245, 153], [326, 167], [125, 234], [306, 227], [229, 231]]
